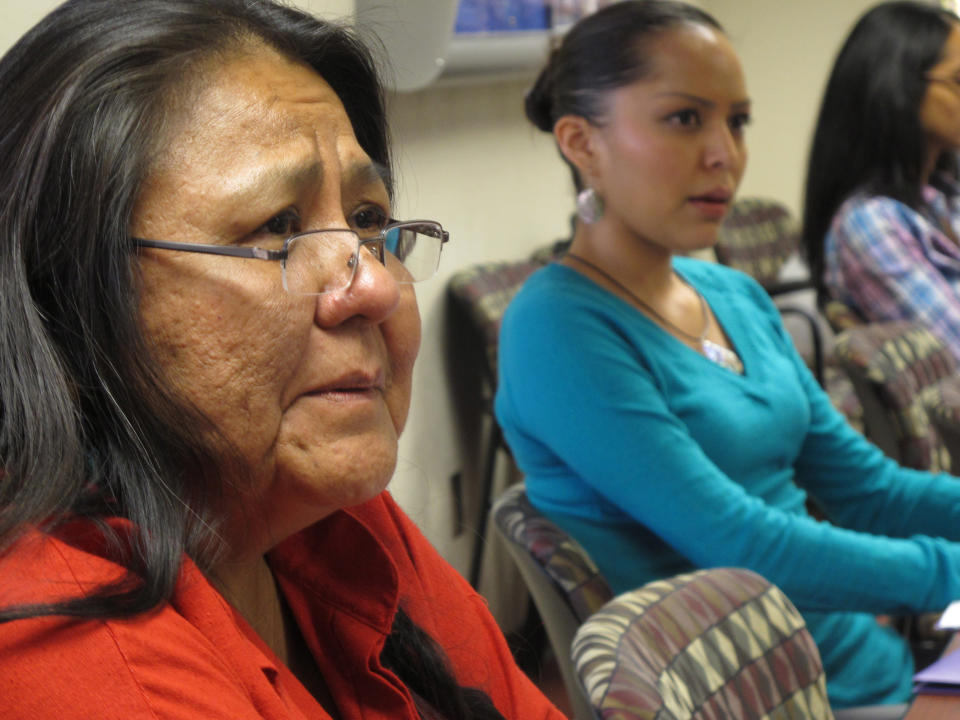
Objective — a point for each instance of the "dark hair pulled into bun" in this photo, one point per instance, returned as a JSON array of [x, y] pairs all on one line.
[[538, 102]]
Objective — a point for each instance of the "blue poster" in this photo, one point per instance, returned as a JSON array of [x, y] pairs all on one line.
[[478, 16]]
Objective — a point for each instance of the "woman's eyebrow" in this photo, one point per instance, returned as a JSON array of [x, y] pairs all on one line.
[[367, 172], [696, 99], [703, 102], [247, 187]]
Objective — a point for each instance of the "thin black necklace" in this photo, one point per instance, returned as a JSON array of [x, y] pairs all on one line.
[[698, 339]]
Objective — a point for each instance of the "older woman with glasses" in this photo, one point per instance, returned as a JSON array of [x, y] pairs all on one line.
[[208, 333], [882, 209]]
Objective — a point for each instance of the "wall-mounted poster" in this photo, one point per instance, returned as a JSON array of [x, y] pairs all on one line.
[[497, 16], [479, 16]]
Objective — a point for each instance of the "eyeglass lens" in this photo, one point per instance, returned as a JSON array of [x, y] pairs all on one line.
[[417, 250], [320, 262], [325, 261]]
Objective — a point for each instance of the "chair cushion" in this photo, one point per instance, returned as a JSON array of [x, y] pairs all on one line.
[[758, 236], [720, 643], [842, 395], [841, 316], [901, 362], [484, 291], [944, 401], [562, 558], [943, 408]]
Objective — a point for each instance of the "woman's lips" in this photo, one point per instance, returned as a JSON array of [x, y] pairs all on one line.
[[354, 386], [713, 205], [347, 394]]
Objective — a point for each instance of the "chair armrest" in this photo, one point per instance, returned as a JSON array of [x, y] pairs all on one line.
[[789, 286]]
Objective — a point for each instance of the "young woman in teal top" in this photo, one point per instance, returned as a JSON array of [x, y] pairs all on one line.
[[656, 404]]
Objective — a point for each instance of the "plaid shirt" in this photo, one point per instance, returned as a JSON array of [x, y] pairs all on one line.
[[889, 262]]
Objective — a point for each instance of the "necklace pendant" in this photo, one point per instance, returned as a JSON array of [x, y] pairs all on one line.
[[721, 356]]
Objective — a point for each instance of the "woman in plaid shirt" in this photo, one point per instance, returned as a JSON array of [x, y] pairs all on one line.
[[882, 213]]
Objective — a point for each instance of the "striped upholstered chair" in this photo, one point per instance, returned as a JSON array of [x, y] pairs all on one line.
[[758, 237], [943, 407], [720, 643], [563, 581], [896, 368]]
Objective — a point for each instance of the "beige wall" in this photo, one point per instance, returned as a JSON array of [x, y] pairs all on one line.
[[18, 16], [787, 48], [327, 8], [467, 158]]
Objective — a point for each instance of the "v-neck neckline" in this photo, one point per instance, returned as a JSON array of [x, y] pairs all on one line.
[[735, 343]]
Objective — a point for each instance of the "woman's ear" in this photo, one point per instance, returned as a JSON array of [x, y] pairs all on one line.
[[576, 137]]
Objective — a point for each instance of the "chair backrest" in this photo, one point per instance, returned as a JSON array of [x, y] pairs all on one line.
[[895, 368], [564, 582], [719, 643], [943, 407], [840, 316], [758, 236], [480, 295]]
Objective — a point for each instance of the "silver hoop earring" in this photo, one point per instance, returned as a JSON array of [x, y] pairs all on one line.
[[589, 205]]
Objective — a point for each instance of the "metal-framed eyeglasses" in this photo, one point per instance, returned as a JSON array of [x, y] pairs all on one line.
[[315, 262]]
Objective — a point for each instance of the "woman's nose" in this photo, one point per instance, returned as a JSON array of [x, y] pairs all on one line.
[[372, 294], [723, 150]]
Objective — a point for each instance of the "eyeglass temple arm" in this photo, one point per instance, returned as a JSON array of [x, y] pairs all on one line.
[[252, 252], [444, 235]]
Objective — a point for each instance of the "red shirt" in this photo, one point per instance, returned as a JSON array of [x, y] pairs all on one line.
[[196, 658]]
